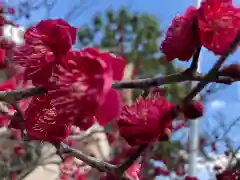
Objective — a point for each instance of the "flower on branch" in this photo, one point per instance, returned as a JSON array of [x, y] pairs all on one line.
[[218, 22], [231, 175], [192, 110], [83, 87], [43, 121], [191, 178], [45, 46], [162, 172], [9, 85], [182, 37], [69, 168], [11, 11], [79, 82], [15, 121], [214, 25], [133, 173], [146, 120], [19, 150]]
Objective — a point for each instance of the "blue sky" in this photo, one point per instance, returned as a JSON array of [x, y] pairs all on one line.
[[164, 10]]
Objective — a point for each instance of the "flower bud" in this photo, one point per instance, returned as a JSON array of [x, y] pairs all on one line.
[[192, 110], [232, 71]]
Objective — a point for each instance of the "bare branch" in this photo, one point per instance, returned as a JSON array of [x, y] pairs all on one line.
[[103, 166], [214, 70], [133, 157], [174, 78], [13, 96], [94, 162], [195, 60]]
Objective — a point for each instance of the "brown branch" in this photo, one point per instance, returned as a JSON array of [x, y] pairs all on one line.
[[234, 153], [133, 157], [205, 154], [102, 166], [93, 162], [13, 96], [214, 70], [195, 60], [174, 78]]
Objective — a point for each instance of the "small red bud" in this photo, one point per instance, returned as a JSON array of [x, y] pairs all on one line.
[[64, 177], [179, 126], [111, 137], [68, 158], [231, 175], [232, 71], [11, 11], [19, 150], [71, 142], [191, 178], [178, 172], [13, 176], [162, 172], [214, 148], [192, 110]]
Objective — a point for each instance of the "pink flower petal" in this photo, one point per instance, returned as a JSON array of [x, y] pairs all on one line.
[[110, 109]]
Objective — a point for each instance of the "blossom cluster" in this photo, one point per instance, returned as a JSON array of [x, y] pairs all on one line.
[[78, 83], [213, 25], [79, 92]]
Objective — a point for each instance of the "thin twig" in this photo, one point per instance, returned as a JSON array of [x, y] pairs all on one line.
[[103, 166], [93, 162], [169, 79], [214, 70], [133, 157], [16, 95], [195, 60]]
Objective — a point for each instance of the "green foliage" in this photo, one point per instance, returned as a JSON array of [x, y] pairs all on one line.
[[138, 34]]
